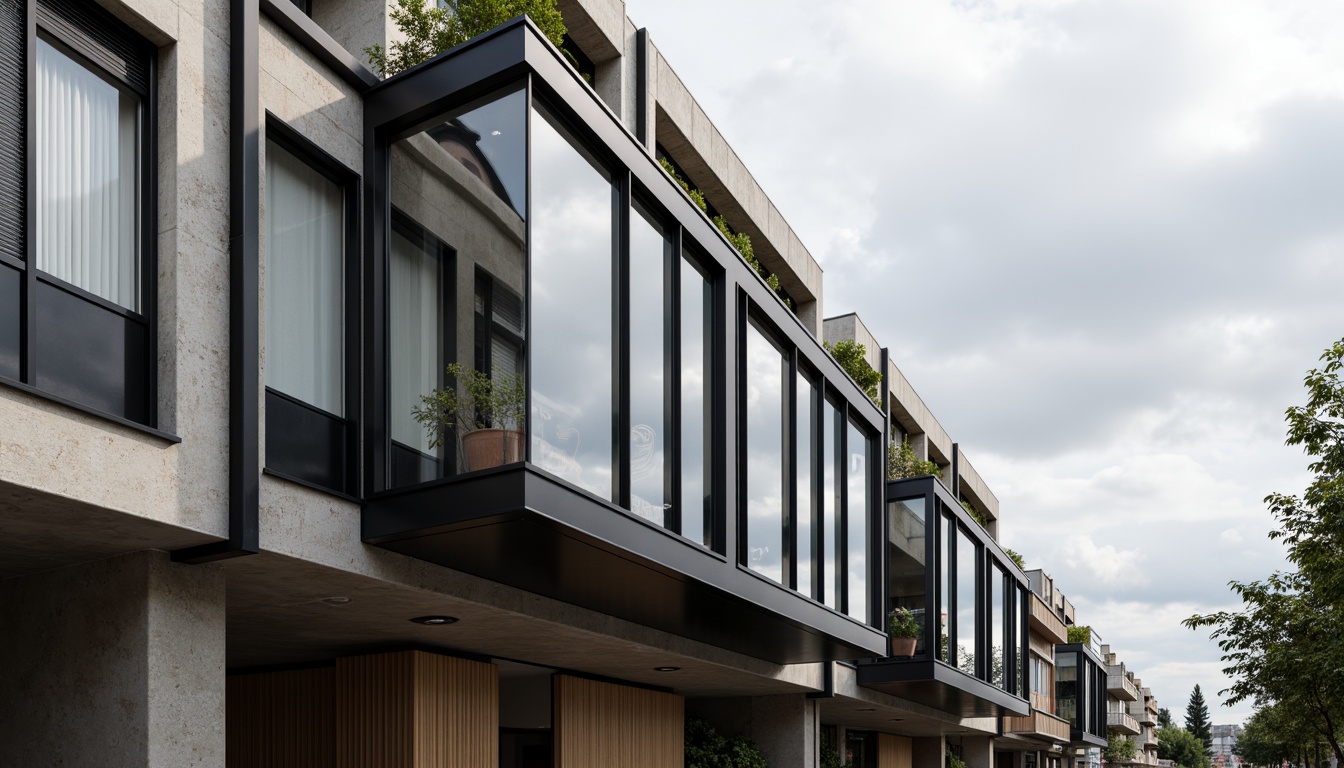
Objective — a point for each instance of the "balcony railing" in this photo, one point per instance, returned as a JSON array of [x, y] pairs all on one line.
[[1038, 724], [1120, 687], [1123, 723]]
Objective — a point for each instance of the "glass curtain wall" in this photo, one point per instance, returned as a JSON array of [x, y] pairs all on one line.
[[766, 382], [806, 466], [998, 617], [906, 560], [858, 446], [946, 540], [968, 624], [573, 227], [456, 286], [832, 468], [696, 356], [650, 254], [1067, 688]]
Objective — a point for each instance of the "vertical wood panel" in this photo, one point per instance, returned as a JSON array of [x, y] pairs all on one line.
[[280, 719], [416, 710], [616, 726], [895, 751]]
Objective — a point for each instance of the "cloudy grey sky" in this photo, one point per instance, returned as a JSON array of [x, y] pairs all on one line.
[[1103, 238]]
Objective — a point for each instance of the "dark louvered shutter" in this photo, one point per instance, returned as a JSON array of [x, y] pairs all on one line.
[[13, 138]]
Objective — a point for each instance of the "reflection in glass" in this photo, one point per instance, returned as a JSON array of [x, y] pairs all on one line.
[[1066, 687], [806, 420], [572, 399], [831, 469], [491, 143], [649, 252], [305, 283], [766, 374], [87, 180], [696, 503], [968, 627], [1019, 642], [997, 650], [948, 537], [905, 548], [416, 352], [857, 522], [437, 205]]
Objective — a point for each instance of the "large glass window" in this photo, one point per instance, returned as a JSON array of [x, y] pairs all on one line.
[[968, 624], [305, 282], [998, 617], [78, 285], [947, 540], [88, 196], [858, 447], [766, 376], [806, 468], [650, 253], [832, 468], [906, 560], [572, 258], [1067, 687], [456, 266], [696, 424]]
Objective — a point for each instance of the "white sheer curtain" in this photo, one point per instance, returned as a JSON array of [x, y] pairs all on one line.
[[305, 284], [416, 345], [87, 195]]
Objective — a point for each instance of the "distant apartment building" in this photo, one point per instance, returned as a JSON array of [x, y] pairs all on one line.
[[1224, 742]]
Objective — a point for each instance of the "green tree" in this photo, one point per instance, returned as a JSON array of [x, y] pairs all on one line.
[[1163, 717], [1119, 747], [1272, 737], [851, 355], [902, 462], [430, 28], [1181, 747], [707, 748], [1080, 634], [1283, 648], [1197, 718]]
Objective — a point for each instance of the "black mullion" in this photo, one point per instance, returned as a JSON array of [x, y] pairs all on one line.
[[149, 217], [814, 462], [718, 357], [620, 342], [353, 319], [788, 558], [447, 330], [527, 275], [672, 492], [28, 339]]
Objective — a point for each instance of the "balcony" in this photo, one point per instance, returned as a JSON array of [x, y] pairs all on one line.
[[1120, 687], [970, 600], [1123, 723], [1145, 716], [1045, 623], [517, 232], [1040, 725]]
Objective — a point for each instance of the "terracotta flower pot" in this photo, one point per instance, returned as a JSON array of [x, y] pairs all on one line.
[[486, 448], [903, 646]]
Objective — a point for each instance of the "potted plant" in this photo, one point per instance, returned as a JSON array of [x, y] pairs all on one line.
[[485, 414], [904, 631]]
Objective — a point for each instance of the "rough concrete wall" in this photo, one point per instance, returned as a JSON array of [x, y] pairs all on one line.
[[356, 24], [786, 728], [113, 662]]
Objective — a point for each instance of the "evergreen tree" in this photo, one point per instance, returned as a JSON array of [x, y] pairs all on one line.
[[1197, 719], [1164, 717]]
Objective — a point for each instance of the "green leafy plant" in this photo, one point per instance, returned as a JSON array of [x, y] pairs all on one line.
[[1119, 748], [902, 462], [830, 755], [430, 28], [901, 622], [975, 514], [739, 240], [1016, 558], [1080, 634], [850, 354], [474, 401], [707, 748], [953, 761]]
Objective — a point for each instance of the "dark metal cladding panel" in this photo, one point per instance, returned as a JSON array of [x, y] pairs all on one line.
[[13, 32], [90, 354], [98, 35]]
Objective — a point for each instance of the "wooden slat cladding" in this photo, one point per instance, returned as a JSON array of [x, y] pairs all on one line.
[[895, 751], [1044, 621], [281, 719], [1038, 723], [616, 726], [416, 710]]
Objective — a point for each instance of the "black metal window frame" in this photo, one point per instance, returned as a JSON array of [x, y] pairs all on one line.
[[342, 468], [752, 315], [100, 42], [990, 558]]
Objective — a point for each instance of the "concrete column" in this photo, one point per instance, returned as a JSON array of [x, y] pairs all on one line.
[[928, 752], [786, 728], [113, 662], [977, 751]]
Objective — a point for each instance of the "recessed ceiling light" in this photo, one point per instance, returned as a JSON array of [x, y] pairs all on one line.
[[335, 600], [867, 709], [435, 621], [666, 669]]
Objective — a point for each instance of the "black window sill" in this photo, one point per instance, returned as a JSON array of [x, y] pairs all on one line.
[[127, 423]]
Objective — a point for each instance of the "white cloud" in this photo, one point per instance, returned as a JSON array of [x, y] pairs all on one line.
[[1108, 564]]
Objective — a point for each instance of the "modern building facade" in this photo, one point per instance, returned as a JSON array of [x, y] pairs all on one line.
[[237, 264]]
